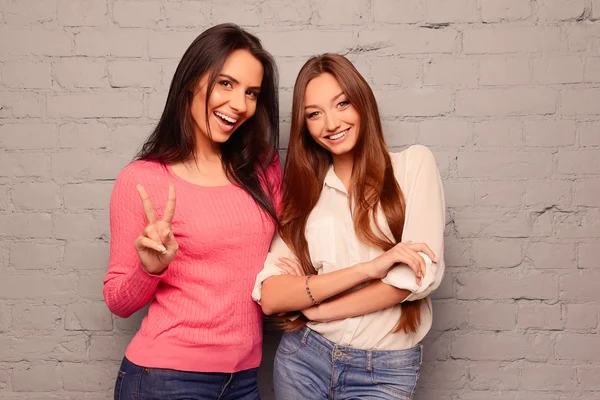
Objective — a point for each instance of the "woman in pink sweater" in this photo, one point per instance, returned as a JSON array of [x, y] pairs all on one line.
[[213, 153]]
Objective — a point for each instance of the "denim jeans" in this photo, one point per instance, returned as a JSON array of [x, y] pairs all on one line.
[[308, 366], [140, 383]]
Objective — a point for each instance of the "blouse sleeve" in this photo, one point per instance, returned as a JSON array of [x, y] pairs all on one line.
[[278, 249], [424, 222]]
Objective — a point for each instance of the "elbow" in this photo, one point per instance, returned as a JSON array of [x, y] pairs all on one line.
[[114, 307], [267, 306]]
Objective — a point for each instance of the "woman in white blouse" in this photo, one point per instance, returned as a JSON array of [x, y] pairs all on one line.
[[360, 246]]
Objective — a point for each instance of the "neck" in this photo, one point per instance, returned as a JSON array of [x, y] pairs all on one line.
[[206, 150], [342, 165]]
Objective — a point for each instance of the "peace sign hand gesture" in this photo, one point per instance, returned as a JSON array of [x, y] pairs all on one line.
[[156, 246]]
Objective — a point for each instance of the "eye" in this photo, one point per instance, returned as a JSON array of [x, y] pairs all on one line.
[[252, 94], [312, 115], [226, 83], [343, 104]]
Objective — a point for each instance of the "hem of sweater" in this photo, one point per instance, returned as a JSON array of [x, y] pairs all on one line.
[[192, 358]]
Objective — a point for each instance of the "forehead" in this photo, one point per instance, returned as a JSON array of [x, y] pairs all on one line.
[[244, 67], [322, 89]]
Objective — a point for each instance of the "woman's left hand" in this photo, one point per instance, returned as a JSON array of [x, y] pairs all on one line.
[[291, 266]]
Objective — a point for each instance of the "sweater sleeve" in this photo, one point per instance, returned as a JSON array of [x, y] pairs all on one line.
[[127, 285], [424, 223]]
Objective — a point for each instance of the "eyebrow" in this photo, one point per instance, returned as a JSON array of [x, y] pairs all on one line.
[[232, 79], [332, 99]]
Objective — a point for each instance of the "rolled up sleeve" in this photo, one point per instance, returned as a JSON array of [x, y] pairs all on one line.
[[278, 249]]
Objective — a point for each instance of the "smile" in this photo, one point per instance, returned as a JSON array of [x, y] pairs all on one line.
[[225, 118], [338, 135]]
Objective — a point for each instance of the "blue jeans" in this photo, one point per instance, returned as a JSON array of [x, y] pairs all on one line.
[[308, 366], [140, 383]]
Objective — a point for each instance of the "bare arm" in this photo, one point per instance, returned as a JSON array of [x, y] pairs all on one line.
[[375, 297]]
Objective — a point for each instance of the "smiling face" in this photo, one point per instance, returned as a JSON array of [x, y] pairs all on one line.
[[233, 98], [330, 118]]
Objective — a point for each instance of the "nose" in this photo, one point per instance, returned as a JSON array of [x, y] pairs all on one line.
[[333, 123], [238, 101]]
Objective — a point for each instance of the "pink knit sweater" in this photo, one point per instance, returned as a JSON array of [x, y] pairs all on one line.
[[201, 316]]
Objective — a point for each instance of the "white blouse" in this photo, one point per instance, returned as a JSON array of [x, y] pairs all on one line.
[[333, 245]]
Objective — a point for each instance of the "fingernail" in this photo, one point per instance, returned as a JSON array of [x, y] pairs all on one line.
[[162, 249]]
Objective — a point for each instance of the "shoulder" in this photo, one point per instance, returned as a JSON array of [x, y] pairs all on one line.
[[139, 171], [412, 162]]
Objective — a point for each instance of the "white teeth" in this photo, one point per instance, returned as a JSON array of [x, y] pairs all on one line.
[[338, 135], [226, 118]]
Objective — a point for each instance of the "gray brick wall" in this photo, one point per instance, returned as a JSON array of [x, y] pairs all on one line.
[[506, 93]]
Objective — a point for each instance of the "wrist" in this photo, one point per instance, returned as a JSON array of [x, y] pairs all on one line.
[[364, 271]]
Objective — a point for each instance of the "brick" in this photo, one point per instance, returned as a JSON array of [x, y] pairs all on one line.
[[386, 11], [80, 73], [395, 71], [549, 377], [90, 287], [113, 42], [492, 316], [589, 134], [80, 226], [500, 70], [129, 325], [94, 105], [134, 73], [580, 101], [89, 165], [580, 287], [502, 133], [503, 102], [282, 11], [88, 317], [169, 67], [20, 13], [444, 375], [512, 39], [505, 193], [589, 254], [108, 348], [87, 196], [22, 42], [38, 377], [441, 11], [397, 133], [239, 12], [88, 376], [547, 192], [187, 13], [494, 253], [587, 192], [130, 137], [169, 44], [417, 40], [550, 132], [505, 10], [446, 288], [86, 255], [458, 193], [450, 315], [560, 10], [89, 135], [562, 69], [82, 13], [48, 348], [588, 377], [578, 224], [579, 162], [502, 224], [450, 71], [437, 346], [26, 75], [591, 71], [516, 164], [37, 196], [546, 255], [578, 347], [26, 225], [596, 9], [584, 37], [530, 285], [156, 104], [582, 316], [19, 105], [5, 198], [494, 376], [38, 287], [540, 316], [28, 136], [413, 102], [340, 12], [444, 132], [306, 43], [506, 347], [24, 165], [40, 256], [36, 318], [136, 14], [457, 253]]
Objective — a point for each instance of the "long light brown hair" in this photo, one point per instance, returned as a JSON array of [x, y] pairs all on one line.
[[372, 183]]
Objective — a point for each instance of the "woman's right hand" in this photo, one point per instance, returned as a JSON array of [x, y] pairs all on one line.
[[405, 253], [156, 246]]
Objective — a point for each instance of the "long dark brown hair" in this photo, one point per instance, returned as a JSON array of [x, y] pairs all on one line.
[[372, 183], [253, 146]]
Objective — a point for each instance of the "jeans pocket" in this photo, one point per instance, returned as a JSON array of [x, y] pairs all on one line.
[[119, 384], [398, 382], [290, 343]]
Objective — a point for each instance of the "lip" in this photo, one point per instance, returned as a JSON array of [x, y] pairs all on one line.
[[338, 140], [232, 116], [225, 128]]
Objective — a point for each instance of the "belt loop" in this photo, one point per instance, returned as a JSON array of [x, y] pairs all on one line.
[[305, 335], [369, 360]]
